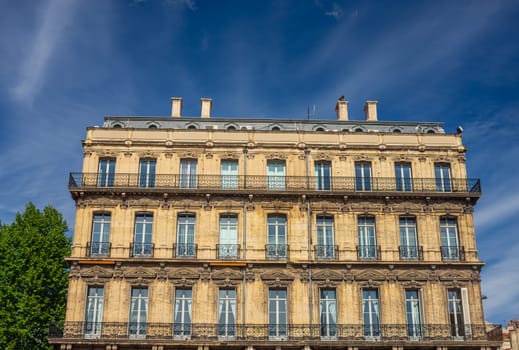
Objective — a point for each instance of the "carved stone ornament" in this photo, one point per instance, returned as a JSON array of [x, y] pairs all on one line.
[[148, 154], [230, 155], [277, 278], [322, 156], [413, 275], [454, 276], [402, 158], [183, 277], [168, 154], [139, 273], [442, 159], [227, 277], [361, 157], [327, 278], [209, 155], [189, 155], [373, 275], [280, 156], [462, 159], [412, 284], [96, 272], [106, 153]]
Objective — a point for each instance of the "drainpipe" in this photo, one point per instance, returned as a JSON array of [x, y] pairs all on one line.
[[244, 228], [307, 153], [245, 151], [310, 293], [243, 302]]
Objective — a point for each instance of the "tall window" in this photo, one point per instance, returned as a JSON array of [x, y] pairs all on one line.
[[367, 237], [229, 172], [328, 312], [186, 235], [276, 236], [188, 173], [94, 312], [138, 312], [408, 240], [403, 177], [363, 176], [278, 313], [276, 175], [325, 248], [227, 313], [323, 175], [183, 312], [413, 312], [228, 247], [459, 316], [442, 173], [147, 169], [449, 239], [142, 245], [106, 173], [371, 313], [100, 241]]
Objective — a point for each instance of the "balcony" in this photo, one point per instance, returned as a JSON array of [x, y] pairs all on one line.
[[453, 253], [326, 252], [368, 252], [263, 332], [98, 249], [276, 251], [185, 250], [410, 252], [141, 250], [228, 251], [94, 181]]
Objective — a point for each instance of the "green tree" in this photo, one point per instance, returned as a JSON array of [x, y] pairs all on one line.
[[33, 277]]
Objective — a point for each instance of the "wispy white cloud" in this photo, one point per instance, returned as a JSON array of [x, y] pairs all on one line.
[[55, 16], [190, 4], [336, 11], [500, 281]]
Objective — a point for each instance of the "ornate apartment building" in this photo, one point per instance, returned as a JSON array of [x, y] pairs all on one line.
[[216, 233]]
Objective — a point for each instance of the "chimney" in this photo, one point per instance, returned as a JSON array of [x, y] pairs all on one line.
[[342, 109], [176, 107], [371, 110], [207, 103]]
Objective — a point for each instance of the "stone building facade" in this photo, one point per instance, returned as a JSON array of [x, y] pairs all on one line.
[[213, 233]]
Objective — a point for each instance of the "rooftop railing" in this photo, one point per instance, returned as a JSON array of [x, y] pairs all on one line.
[[272, 183], [266, 332]]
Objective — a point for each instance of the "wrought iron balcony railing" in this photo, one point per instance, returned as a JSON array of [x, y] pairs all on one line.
[[326, 252], [270, 332], [410, 252], [453, 253], [98, 249], [368, 252], [141, 249], [185, 250], [276, 251], [228, 251], [270, 183]]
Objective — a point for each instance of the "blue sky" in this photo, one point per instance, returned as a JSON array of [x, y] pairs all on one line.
[[64, 64]]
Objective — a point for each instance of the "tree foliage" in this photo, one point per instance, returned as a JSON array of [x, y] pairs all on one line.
[[33, 277]]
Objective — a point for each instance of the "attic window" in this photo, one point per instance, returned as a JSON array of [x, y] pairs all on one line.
[[231, 127], [152, 126], [117, 126], [275, 128], [398, 131], [430, 131], [192, 127], [320, 129], [358, 130]]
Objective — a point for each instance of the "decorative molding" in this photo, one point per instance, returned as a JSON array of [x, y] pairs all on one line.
[[277, 278], [362, 157], [183, 277], [327, 278], [230, 155], [278, 155], [209, 155], [227, 277], [148, 154], [139, 273], [322, 156], [189, 155]]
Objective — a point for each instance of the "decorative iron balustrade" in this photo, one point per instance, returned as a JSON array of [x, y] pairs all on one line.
[[98, 249], [141, 249], [453, 253], [368, 252], [185, 250], [326, 252], [276, 251], [269, 183], [266, 332], [228, 251], [410, 252]]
